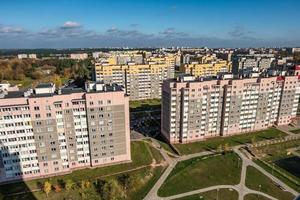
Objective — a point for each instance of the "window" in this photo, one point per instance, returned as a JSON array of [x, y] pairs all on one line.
[[36, 108]]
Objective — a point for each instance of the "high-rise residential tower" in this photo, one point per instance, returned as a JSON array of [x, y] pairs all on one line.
[[47, 132]]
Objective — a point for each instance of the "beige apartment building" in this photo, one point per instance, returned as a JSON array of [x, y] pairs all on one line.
[[141, 81], [193, 109], [45, 132], [212, 68], [79, 56]]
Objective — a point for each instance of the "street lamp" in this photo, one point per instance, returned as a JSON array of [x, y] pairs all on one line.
[[218, 194], [259, 191]]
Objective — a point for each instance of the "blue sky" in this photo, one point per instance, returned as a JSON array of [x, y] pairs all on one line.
[[145, 23]]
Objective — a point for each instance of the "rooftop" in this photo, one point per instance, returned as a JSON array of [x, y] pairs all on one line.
[[44, 85], [94, 88]]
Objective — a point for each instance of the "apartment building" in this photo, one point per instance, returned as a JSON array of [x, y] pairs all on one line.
[[169, 59], [79, 56], [247, 63], [193, 109], [212, 68], [141, 81], [45, 133], [24, 56], [123, 57]]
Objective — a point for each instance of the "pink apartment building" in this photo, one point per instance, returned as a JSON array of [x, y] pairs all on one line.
[[193, 109], [46, 132]]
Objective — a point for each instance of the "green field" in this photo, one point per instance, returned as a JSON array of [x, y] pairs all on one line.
[[276, 151], [214, 143], [255, 180], [142, 181], [276, 159], [201, 172], [142, 156], [222, 194], [281, 174], [145, 105], [255, 197]]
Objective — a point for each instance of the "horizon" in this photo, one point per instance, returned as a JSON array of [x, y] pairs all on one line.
[[149, 24]]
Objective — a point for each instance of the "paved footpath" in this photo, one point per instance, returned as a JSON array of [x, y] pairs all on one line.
[[152, 195], [241, 188]]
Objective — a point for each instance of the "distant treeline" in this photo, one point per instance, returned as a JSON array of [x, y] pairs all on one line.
[[16, 71], [48, 52]]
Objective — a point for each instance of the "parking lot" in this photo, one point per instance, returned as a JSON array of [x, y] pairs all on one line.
[[146, 123]]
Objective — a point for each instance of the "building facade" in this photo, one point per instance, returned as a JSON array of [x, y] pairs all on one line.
[[44, 133], [195, 110], [206, 69], [243, 64], [141, 81], [79, 56]]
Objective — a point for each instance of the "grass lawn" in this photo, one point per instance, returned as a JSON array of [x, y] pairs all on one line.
[[155, 154], [281, 174], [254, 178], [274, 152], [223, 194], [201, 172], [213, 143], [255, 197], [145, 105], [142, 154], [285, 164], [164, 144], [142, 182], [296, 131]]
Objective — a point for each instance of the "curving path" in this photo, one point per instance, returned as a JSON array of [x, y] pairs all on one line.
[[234, 187], [241, 188]]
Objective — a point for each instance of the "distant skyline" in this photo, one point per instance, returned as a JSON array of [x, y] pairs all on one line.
[[145, 23]]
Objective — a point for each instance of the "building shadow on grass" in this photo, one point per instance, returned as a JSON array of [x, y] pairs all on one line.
[[12, 185]]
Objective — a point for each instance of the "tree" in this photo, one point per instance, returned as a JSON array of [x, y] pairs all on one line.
[[253, 139], [37, 75], [84, 186], [125, 180], [57, 188], [219, 148], [112, 190], [56, 80], [226, 148], [47, 187], [69, 185]]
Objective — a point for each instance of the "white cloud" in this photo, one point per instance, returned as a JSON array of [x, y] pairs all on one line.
[[11, 29], [70, 25]]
